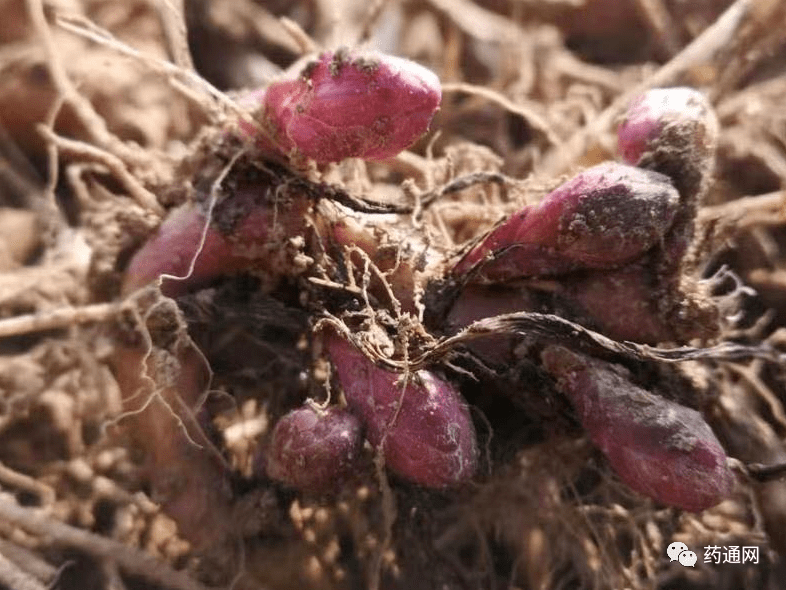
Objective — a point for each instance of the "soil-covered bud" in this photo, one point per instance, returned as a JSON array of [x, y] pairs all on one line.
[[621, 304], [673, 131], [659, 448], [313, 449], [424, 428], [604, 217], [351, 104], [635, 303]]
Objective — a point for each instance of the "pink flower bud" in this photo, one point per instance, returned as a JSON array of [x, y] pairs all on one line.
[[425, 429], [312, 449], [605, 217], [659, 448], [673, 131], [351, 104]]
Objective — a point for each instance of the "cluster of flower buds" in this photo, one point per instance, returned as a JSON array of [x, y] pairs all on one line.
[[343, 104], [419, 424], [619, 232], [612, 238]]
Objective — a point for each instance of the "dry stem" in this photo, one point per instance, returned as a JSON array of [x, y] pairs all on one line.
[[528, 114], [747, 212], [132, 560], [304, 42], [721, 222], [60, 318], [13, 577], [114, 164], [95, 125], [22, 481], [478, 22], [28, 561], [89, 30], [658, 20], [173, 22], [703, 49]]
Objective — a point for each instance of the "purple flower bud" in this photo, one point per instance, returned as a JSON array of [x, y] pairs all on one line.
[[425, 429], [313, 449], [659, 448], [351, 104], [605, 217]]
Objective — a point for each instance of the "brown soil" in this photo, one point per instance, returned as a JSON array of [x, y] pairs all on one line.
[[130, 425]]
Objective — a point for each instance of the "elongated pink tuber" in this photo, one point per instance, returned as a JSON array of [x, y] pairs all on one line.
[[425, 429], [171, 249], [351, 104], [662, 449], [313, 449], [255, 233], [606, 216]]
